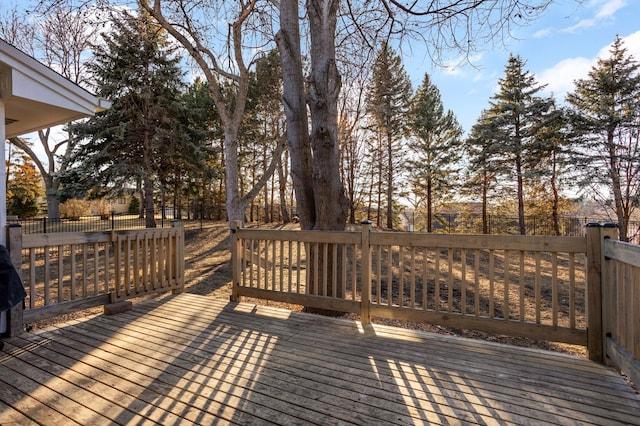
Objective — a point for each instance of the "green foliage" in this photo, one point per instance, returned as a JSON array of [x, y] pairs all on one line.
[[134, 206], [606, 121], [387, 106], [24, 188], [149, 133], [389, 94], [514, 117], [435, 146]]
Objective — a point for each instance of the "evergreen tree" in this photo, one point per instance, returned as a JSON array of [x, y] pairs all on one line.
[[481, 171], [262, 132], [515, 112], [552, 156], [435, 146], [132, 140], [24, 188], [203, 169], [606, 117], [388, 104]]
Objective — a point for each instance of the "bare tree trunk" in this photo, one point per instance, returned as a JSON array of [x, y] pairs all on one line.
[[235, 208], [485, 197], [315, 156], [389, 181], [282, 186], [288, 39], [556, 197], [429, 205], [617, 188], [150, 220], [324, 87], [520, 190]]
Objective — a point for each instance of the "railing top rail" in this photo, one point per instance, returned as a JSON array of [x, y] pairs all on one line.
[[339, 237], [64, 238], [624, 252], [541, 243]]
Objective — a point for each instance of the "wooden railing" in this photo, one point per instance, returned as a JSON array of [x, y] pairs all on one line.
[[529, 286], [69, 271], [621, 303]]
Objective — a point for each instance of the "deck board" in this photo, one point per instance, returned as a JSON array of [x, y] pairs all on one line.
[[190, 359]]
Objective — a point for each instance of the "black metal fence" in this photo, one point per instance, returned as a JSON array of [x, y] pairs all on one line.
[[442, 222], [471, 223], [45, 225]]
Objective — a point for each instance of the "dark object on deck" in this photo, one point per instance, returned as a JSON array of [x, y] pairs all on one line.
[[11, 289]]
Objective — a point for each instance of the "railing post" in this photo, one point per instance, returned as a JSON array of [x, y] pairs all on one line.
[[178, 252], [595, 342], [608, 286], [365, 299], [598, 307], [15, 318], [236, 257]]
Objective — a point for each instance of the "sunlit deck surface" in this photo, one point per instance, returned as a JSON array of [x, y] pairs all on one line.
[[192, 359]]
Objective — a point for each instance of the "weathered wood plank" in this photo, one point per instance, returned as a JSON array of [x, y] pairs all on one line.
[[193, 359], [64, 238], [487, 242], [10, 416], [619, 250]]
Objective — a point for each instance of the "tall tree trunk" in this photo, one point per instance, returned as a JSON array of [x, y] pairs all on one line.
[[389, 181], [315, 157], [150, 220], [288, 40], [429, 205], [324, 85], [235, 209], [53, 199], [616, 187], [555, 207], [520, 195], [282, 189], [485, 194]]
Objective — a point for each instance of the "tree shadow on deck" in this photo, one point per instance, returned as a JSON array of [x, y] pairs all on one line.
[[249, 364], [188, 358]]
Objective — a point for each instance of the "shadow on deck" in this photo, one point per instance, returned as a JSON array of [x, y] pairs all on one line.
[[192, 359]]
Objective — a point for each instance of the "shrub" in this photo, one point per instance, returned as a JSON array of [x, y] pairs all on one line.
[[134, 206], [74, 208]]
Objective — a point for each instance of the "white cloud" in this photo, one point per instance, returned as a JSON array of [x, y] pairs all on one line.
[[561, 76], [460, 67], [606, 10], [543, 33], [632, 44]]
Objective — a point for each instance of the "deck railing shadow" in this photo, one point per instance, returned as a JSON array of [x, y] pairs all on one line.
[[560, 289]]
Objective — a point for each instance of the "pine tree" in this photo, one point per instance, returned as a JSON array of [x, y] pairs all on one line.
[[435, 146], [481, 170], [514, 113], [24, 187], [551, 160], [262, 131], [388, 104], [135, 69], [606, 117]]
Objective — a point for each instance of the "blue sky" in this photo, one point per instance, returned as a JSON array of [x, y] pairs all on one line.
[[558, 48]]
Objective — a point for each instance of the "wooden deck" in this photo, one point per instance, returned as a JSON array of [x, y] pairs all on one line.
[[192, 359]]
